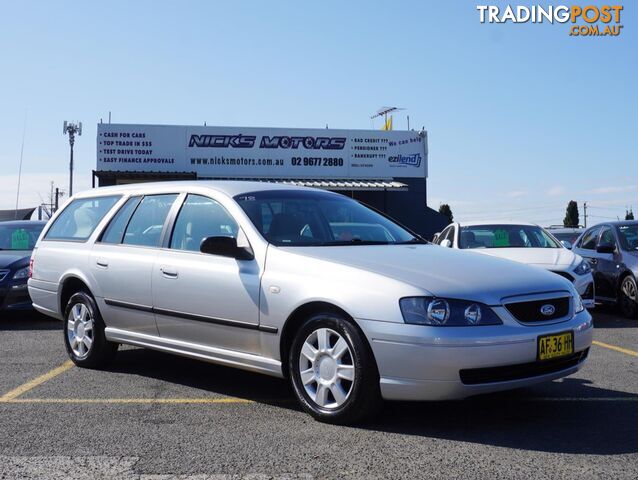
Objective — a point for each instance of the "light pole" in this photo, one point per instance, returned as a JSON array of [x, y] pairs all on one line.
[[71, 129]]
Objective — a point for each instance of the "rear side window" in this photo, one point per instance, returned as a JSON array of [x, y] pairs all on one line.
[[79, 219], [115, 231], [146, 224]]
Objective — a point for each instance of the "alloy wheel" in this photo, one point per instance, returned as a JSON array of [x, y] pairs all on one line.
[[326, 368], [629, 297], [79, 330]]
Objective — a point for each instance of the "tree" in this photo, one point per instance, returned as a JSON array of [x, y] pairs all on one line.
[[629, 215], [444, 209], [571, 215]]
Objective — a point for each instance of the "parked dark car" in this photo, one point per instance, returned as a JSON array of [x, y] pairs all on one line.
[[17, 239], [612, 250]]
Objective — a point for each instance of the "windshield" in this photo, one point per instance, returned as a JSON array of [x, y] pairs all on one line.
[[19, 236], [296, 218], [628, 236], [505, 236]]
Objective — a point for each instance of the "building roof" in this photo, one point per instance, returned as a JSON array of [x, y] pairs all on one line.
[[20, 214]]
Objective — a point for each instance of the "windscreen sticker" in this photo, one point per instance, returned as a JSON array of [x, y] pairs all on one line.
[[501, 238], [20, 240]]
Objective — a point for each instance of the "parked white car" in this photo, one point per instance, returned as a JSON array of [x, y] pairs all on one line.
[[299, 283], [524, 243]]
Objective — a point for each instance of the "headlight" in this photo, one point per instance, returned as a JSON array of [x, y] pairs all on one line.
[[583, 269], [21, 274], [446, 312]]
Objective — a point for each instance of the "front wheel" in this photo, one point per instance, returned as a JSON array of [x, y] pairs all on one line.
[[332, 370], [84, 336], [628, 298]]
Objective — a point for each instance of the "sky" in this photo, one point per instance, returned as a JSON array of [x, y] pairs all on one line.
[[521, 118]]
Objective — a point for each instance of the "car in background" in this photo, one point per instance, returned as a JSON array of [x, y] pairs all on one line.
[[525, 243], [17, 239], [612, 250], [566, 235]]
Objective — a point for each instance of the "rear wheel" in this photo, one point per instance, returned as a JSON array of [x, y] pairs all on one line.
[[332, 370], [84, 336], [628, 297]]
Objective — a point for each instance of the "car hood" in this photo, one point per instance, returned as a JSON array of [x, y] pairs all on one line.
[[444, 272], [9, 257], [545, 257]]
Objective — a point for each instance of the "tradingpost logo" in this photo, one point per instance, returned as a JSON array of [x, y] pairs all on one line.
[[586, 21]]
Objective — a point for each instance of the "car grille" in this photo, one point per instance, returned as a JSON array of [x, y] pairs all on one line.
[[531, 311], [564, 275], [477, 376], [3, 274]]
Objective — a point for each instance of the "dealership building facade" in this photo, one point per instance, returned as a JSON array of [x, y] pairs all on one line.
[[387, 170]]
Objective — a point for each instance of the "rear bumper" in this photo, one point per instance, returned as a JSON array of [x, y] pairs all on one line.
[[44, 296], [439, 363]]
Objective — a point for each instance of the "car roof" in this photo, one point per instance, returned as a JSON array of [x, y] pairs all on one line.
[[16, 223], [495, 222], [564, 229], [228, 187], [620, 223]]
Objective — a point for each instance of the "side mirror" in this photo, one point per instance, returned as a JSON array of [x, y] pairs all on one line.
[[225, 247], [606, 247], [447, 243], [566, 244]]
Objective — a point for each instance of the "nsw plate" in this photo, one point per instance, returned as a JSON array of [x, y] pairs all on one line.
[[556, 345]]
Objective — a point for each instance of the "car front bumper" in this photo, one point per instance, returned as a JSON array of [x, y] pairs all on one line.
[[437, 363], [584, 285], [15, 296]]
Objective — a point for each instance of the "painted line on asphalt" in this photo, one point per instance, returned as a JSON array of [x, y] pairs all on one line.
[[626, 351], [31, 384], [230, 400]]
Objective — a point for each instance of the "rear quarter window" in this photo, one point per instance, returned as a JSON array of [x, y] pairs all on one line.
[[80, 218]]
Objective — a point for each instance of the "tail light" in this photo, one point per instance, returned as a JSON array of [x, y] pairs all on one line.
[[30, 268]]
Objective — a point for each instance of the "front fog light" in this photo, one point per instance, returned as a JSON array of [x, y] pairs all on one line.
[[473, 314]]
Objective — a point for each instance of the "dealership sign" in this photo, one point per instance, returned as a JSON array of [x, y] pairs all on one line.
[[243, 152]]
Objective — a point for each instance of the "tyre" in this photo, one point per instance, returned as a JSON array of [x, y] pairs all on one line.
[[628, 297], [332, 370], [84, 336]]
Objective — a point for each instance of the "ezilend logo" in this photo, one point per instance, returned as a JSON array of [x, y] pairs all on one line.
[[413, 160], [222, 141]]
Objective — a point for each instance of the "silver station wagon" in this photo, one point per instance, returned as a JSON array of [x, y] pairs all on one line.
[[304, 284]]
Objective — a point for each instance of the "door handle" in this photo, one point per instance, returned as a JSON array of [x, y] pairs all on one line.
[[169, 272], [102, 263]]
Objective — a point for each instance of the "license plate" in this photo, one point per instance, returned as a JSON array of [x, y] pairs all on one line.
[[554, 346]]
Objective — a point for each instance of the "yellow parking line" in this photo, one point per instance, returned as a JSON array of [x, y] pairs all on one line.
[[627, 351], [25, 387], [130, 400]]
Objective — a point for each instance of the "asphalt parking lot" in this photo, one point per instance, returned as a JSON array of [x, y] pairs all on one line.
[[156, 416]]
